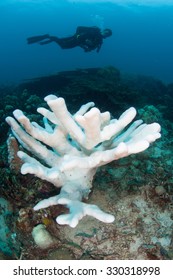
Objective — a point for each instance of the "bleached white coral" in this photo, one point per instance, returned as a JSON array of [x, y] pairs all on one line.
[[69, 148], [42, 237]]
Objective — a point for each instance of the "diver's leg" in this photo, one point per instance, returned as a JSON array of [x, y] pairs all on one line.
[[65, 43], [51, 39], [45, 42], [36, 39], [55, 39]]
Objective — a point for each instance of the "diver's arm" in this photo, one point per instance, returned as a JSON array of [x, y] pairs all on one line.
[[99, 47], [85, 48]]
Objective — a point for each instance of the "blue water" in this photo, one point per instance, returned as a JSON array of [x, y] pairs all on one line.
[[142, 41]]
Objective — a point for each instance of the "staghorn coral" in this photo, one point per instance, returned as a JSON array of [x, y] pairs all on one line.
[[69, 148]]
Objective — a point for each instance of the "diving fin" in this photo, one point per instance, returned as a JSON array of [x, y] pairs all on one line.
[[36, 39]]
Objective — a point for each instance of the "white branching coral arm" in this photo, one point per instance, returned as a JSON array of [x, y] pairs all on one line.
[[54, 138], [84, 108], [98, 127], [31, 144], [149, 132], [96, 159], [123, 137], [78, 210], [91, 122], [48, 115], [123, 149], [59, 108], [32, 166], [116, 126]]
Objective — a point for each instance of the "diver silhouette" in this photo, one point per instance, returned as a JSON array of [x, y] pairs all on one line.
[[88, 38]]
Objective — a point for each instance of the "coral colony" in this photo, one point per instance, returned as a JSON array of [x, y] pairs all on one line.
[[69, 148]]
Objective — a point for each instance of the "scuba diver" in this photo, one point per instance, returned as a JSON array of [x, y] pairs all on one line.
[[88, 38]]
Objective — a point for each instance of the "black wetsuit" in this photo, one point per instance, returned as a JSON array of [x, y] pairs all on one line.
[[88, 38]]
